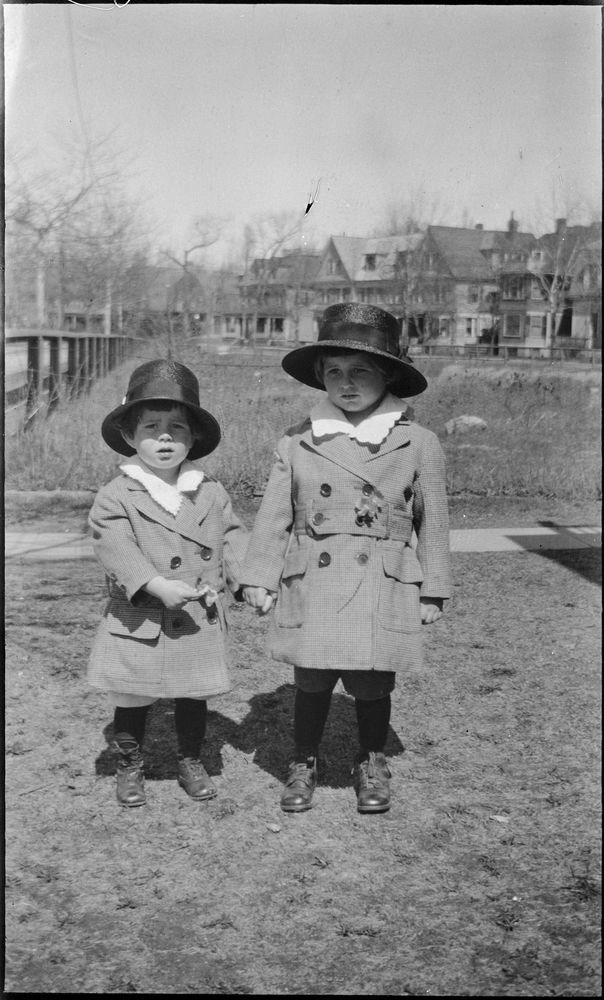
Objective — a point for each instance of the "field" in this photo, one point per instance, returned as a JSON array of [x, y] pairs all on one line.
[[536, 417], [484, 879]]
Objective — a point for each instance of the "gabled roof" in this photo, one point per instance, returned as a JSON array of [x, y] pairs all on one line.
[[293, 268], [466, 252], [352, 251]]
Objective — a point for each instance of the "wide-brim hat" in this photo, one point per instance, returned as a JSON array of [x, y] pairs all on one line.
[[163, 380], [357, 327]]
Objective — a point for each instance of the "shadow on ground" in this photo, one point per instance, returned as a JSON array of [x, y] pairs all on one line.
[[586, 562], [265, 732]]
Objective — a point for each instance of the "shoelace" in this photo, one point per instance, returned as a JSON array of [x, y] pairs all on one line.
[[300, 771]]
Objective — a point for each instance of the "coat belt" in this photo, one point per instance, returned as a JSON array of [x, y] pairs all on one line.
[[341, 519]]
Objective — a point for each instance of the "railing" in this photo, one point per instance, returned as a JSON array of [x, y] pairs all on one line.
[[43, 366], [509, 352]]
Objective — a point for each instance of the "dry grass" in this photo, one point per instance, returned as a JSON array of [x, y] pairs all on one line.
[[482, 880], [542, 437]]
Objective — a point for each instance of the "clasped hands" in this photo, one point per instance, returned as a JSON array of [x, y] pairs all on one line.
[[259, 598]]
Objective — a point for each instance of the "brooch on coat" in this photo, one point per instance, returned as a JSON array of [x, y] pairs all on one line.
[[367, 510]]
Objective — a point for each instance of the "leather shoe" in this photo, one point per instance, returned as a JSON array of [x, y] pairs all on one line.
[[372, 782], [300, 785], [130, 788], [193, 777]]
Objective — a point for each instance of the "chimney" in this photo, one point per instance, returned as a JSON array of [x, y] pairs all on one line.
[[479, 226], [512, 224], [560, 226]]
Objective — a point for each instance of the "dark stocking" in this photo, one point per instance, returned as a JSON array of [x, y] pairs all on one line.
[[310, 716], [373, 718], [190, 715], [129, 726]]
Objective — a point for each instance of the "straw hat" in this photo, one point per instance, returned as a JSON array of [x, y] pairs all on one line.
[[357, 327]]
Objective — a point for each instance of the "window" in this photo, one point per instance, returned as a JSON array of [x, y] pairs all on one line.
[[370, 262], [332, 266], [513, 288], [473, 293], [537, 326], [469, 327], [513, 326]]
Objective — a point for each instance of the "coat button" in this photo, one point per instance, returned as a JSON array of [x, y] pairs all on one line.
[[175, 562], [324, 559], [325, 490], [318, 518], [367, 490], [362, 558], [206, 553], [177, 623]]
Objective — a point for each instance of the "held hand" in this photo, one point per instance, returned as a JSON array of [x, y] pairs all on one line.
[[431, 609], [173, 594], [259, 598]]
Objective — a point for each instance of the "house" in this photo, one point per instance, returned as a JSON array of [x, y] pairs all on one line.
[[277, 297], [455, 295], [569, 272], [506, 288], [371, 270]]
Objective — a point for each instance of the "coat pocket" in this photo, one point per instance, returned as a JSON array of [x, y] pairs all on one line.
[[135, 623], [398, 606], [289, 612]]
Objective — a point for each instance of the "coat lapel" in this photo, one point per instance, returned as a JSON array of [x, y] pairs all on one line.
[[399, 437], [336, 449], [189, 518]]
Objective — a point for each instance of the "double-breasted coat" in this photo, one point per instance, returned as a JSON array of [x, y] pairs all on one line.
[[141, 647], [350, 537]]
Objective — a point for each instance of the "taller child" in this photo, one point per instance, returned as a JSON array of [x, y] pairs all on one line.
[[332, 542], [169, 541]]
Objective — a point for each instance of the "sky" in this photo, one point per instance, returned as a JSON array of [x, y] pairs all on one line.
[[240, 111]]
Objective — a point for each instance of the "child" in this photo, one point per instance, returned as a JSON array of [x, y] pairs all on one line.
[[333, 539], [168, 539]]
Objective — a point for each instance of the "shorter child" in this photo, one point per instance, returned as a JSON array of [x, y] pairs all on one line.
[[168, 539], [350, 487]]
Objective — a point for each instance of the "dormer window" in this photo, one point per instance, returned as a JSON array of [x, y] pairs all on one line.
[[370, 262]]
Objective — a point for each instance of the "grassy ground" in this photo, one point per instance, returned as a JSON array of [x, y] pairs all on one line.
[[482, 880], [542, 439]]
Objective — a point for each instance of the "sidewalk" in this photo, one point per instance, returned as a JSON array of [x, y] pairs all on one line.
[[42, 547]]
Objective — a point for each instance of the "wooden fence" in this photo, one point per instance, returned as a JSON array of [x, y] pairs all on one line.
[[43, 366]]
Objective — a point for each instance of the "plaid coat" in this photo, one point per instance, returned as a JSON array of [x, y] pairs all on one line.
[[332, 537], [142, 647]]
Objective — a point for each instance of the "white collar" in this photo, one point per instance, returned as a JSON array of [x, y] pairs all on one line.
[[326, 419], [167, 496]]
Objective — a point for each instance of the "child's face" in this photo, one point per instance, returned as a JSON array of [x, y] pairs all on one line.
[[353, 383], [162, 439]]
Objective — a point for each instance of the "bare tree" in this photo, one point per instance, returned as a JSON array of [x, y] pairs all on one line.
[[264, 237], [205, 232], [559, 258], [75, 226], [37, 209]]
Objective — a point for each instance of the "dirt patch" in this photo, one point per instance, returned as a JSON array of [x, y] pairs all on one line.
[[482, 880]]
